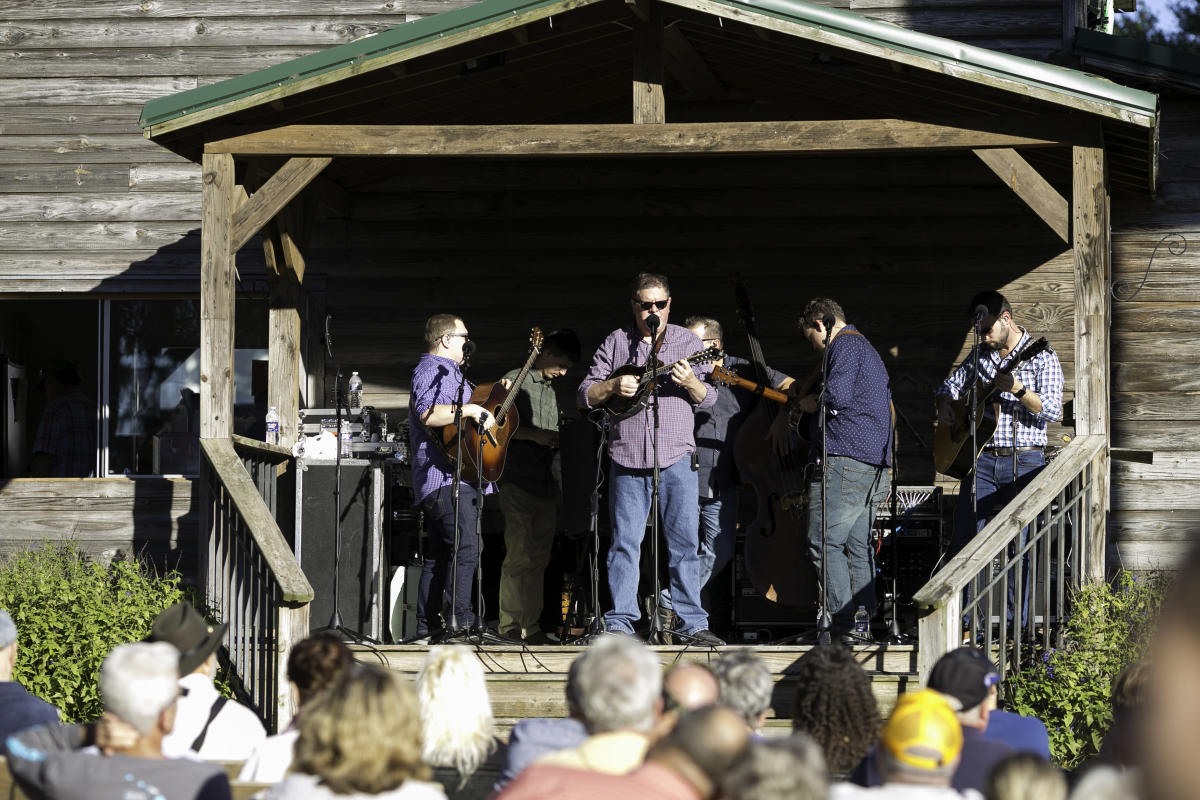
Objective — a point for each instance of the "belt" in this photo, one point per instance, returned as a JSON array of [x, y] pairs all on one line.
[[1008, 451]]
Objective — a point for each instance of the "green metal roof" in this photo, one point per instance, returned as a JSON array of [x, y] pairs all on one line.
[[835, 27]]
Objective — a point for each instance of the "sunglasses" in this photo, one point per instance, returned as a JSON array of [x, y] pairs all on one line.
[[657, 305]]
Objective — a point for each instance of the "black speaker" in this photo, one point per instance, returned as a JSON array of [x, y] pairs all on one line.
[[316, 543]]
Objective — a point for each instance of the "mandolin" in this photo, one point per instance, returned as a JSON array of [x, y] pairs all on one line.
[[486, 454], [623, 407], [951, 444]]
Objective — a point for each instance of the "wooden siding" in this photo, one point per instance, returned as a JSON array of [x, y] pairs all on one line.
[[1155, 377]]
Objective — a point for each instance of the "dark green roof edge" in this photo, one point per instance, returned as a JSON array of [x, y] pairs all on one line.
[[837, 21], [405, 34], [1163, 58]]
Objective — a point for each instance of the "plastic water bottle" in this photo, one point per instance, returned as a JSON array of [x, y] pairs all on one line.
[[272, 425], [862, 621], [344, 439], [355, 387]]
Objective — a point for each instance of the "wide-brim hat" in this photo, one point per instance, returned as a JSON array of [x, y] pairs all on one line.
[[193, 635]]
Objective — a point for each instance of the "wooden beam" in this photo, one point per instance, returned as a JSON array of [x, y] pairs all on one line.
[[217, 290], [727, 138], [649, 107], [283, 353], [285, 184], [1090, 233], [687, 66], [1042, 198]]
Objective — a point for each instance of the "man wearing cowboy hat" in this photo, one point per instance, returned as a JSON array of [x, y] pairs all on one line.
[[211, 726]]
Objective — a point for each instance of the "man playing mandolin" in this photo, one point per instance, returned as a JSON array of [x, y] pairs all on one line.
[[436, 382], [631, 448], [1030, 396]]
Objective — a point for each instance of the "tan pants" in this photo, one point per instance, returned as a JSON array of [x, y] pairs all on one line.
[[529, 523]]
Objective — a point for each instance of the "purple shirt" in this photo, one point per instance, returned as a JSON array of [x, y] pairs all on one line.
[[435, 382], [631, 441]]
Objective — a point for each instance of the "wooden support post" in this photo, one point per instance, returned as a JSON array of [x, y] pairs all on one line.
[[1037, 192], [285, 261], [649, 107], [217, 290], [1093, 311]]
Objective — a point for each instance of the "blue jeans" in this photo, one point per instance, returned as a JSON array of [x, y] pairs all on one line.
[[853, 490], [995, 487], [718, 532], [629, 506], [436, 577]]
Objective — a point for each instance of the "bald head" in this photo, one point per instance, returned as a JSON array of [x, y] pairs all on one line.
[[703, 746], [690, 685]]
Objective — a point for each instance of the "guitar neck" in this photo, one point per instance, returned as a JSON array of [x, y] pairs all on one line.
[[511, 397], [765, 392]]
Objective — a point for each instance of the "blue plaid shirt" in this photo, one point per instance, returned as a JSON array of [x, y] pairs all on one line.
[[1042, 374]]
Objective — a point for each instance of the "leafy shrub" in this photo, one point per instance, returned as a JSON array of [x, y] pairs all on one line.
[[70, 612], [1070, 689]]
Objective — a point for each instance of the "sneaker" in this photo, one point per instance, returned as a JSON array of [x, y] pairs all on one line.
[[536, 639], [704, 638]]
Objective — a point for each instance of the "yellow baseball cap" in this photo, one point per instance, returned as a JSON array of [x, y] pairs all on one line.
[[923, 732]]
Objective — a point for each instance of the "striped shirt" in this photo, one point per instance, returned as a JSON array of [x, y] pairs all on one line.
[[1042, 374], [631, 441]]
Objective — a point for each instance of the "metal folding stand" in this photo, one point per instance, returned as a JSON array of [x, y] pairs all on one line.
[[600, 419]]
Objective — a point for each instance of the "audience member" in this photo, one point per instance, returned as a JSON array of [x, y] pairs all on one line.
[[1129, 691], [65, 443], [689, 763], [139, 684], [18, 708], [1103, 782], [686, 686], [617, 684], [206, 724], [835, 706], [360, 738], [746, 685], [1025, 776], [313, 665], [1023, 734], [791, 767], [457, 728], [1170, 767], [968, 678], [532, 738], [918, 753]]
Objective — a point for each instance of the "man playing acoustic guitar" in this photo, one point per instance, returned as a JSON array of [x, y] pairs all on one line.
[[631, 448], [1030, 396]]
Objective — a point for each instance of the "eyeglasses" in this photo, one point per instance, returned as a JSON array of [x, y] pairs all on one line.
[[465, 336], [657, 305]]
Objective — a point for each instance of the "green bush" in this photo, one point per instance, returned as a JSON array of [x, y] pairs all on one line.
[[1070, 689], [70, 612]]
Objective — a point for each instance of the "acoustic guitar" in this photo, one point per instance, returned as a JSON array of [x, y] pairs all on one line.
[[623, 407], [951, 444], [486, 454]]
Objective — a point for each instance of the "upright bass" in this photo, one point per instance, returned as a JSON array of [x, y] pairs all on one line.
[[776, 552]]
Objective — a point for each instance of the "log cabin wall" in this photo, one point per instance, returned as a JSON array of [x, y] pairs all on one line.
[[1155, 377]]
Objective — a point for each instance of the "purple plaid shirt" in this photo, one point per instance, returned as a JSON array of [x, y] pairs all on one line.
[[631, 443], [1042, 374], [435, 382]]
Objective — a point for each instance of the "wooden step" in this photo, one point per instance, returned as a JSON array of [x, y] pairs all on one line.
[[531, 681]]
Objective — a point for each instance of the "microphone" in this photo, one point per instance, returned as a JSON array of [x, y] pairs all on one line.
[[652, 322], [468, 351], [980, 312]]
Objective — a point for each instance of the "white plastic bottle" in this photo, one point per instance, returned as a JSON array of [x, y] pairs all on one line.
[[344, 439], [862, 621], [272, 425], [355, 388]]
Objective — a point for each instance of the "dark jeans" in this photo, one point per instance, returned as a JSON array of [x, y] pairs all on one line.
[[995, 488], [436, 571]]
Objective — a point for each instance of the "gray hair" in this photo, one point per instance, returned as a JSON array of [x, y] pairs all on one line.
[[790, 766], [746, 683], [8, 629], [891, 767], [138, 681], [1025, 775], [1107, 783], [614, 685]]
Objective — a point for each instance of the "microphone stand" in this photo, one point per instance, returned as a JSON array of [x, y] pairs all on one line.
[[973, 400], [452, 627], [655, 636], [335, 619], [824, 618], [596, 626]]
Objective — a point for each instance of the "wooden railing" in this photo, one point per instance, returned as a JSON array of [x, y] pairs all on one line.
[[253, 580], [1049, 540]]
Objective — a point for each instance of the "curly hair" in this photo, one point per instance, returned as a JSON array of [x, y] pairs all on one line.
[[316, 663], [835, 706], [363, 734]]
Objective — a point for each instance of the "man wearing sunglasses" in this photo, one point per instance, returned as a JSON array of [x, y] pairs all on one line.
[[631, 448], [435, 391]]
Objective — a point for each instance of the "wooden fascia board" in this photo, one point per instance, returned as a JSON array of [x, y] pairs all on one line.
[[730, 138], [943, 67], [382, 61]]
